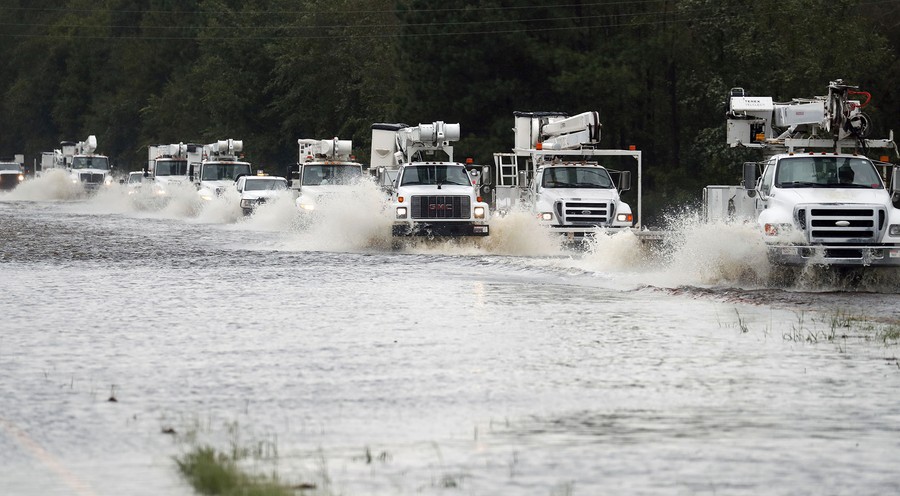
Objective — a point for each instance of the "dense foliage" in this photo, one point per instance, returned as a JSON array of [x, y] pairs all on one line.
[[136, 72]]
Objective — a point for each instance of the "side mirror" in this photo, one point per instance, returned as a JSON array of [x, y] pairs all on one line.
[[749, 175], [625, 181], [486, 174], [750, 179]]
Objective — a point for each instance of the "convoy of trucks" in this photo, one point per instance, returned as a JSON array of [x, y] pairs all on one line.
[[820, 199], [815, 194]]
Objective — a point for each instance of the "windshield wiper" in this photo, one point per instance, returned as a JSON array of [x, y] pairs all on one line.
[[802, 184]]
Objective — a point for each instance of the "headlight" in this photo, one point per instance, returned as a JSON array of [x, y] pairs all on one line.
[[624, 218], [479, 212], [247, 203], [74, 180], [107, 181], [401, 212], [206, 195], [307, 206], [546, 216], [894, 230], [776, 229], [21, 177]]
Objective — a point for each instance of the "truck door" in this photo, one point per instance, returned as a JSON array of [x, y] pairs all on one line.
[[765, 186]]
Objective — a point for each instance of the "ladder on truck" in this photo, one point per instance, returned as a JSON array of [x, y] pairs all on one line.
[[506, 170], [506, 178]]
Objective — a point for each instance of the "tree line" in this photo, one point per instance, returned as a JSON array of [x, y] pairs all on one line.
[[140, 72]]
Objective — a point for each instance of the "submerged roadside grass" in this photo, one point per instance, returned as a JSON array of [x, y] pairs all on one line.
[[228, 472], [214, 472]]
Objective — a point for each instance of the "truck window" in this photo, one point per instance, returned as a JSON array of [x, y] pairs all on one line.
[[576, 177], [330, 174], [224, 171], [827, 172], [90, 163], [170, 168], [434, 174], [766, 183], [254, 184]]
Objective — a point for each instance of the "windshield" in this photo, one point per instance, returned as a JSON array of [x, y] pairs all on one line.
[[135, 177], [9, 167], [318, 175], [90, 163], [435, 174], [224, 171], [827, 172], [264, 184], [170, 168], [576, 177]]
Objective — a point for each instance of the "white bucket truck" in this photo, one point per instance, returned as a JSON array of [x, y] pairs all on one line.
[[324, 170], [168, 165], [555, 168], [820, 199], [78, 160], [429, 196], [220, 166]]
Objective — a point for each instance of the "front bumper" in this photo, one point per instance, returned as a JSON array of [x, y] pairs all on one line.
[[450, 229], [835, 255]]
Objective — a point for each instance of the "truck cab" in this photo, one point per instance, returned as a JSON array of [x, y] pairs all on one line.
[[820, 199], [259, 190], [826, 208], [325, 169], [12, 172], [428, 197], [571, 197], [78, 160], [555, 169], [219, 168]]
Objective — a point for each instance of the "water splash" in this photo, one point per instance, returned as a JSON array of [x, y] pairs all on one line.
[[54, 184]]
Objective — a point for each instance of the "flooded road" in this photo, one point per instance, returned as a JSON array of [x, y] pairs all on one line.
[[509, 367]]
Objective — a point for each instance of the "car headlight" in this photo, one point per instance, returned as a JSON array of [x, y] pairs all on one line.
[[247, 203], [894, 230], [107, 181], [401, 212], [624, 218], [545, 216], [206, 195], [21, 177], [307, 205], [479, 212], [776, 229]]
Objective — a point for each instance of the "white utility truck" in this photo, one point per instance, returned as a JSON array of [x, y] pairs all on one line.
[[555, 169], [220, 166], [820, 200], [79, 161], [429, 196], [324, 170], [12, 171], [167, 165]]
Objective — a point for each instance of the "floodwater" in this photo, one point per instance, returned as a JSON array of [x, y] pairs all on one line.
[[509, 366]]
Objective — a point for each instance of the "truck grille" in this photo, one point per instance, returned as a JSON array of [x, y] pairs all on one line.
[[92, 178], [578, 213], [440, 207], [842, 224]]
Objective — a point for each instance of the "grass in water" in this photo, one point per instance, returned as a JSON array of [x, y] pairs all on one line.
[[215, 473]]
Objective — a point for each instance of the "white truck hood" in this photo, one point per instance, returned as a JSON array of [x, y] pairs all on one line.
[[578, 194], [263, 193], [431, 190], [832, 195]]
